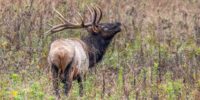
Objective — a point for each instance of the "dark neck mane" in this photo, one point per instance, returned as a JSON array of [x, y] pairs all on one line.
[[96, 48]]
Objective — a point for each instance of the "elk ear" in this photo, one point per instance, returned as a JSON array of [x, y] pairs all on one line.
[[95, 29]]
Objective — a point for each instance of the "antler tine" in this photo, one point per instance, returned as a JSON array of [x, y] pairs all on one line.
[[90, 11], [56, 28], [100, 15], [93, 14], [61, 17], [81, 18]]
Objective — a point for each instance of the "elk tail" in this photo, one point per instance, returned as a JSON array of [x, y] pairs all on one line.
[[66, 64]]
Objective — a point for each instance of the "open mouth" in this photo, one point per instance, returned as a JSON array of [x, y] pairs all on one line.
[[118, 29], [118, 24]]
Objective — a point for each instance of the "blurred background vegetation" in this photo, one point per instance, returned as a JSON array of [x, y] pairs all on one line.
[[156, 56]]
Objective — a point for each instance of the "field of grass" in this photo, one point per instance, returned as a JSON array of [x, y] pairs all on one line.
[[156, 56]]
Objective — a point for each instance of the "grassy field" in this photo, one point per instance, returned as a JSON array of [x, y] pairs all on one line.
[[156, 56]]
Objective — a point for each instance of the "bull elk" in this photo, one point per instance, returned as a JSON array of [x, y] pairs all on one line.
[[71, 58]]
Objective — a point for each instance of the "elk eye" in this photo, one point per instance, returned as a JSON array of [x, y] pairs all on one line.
[[102, 26], [105, 29]]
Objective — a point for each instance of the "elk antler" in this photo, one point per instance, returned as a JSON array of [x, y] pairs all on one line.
[[100, 15], [69, 25]]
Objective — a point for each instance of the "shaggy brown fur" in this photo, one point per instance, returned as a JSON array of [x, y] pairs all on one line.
[[70, 59]]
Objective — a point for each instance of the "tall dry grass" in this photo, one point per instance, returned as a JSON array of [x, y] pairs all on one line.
[[156, 56]]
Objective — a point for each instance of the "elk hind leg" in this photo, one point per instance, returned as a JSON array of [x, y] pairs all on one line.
[[80, 82], [55, 79], [67, 86]]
